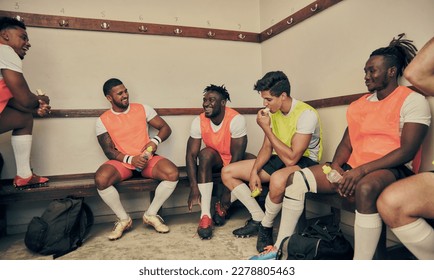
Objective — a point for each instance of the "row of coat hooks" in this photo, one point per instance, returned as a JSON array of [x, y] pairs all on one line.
[[107, 25], [182, 31]]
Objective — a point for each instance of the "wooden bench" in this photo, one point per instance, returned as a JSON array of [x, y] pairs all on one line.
[[77, 185]]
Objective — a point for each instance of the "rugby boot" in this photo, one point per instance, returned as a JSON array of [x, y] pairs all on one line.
[[204, 230], [32, 181], [157, 222], [120, 227], [250, 229], [220, 214], [265, 238]]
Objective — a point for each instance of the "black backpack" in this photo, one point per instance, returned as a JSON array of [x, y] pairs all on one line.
[[317, 242], [61, 229]]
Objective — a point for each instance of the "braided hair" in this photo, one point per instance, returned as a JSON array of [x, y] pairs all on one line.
[[219, 89], [399, 53]]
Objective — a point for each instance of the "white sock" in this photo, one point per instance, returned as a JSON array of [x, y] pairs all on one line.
[[162, 193], [291, 212], [205, 190], [233, 197], [418, 237], [293, 202], [111, 197], [367, 231], [243, 193], [271, 211], [22, 146]]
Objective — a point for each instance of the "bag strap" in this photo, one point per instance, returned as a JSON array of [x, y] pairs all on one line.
[[321, 231], [305, 180]]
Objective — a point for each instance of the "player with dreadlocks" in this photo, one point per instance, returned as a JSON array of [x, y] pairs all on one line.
[[224, 133], [386, 128], [407, 206]]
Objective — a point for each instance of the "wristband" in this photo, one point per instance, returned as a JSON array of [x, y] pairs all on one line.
[[155, 141], [158, 139], [128, 159]]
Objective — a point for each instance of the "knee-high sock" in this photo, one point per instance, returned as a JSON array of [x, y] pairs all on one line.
[[111, 197], [271, 211], [243, 193], [162, 193], [233, 197], [367, 231], [418, 237], [22, 146], [293, 203], [291, 212], [205, 190]]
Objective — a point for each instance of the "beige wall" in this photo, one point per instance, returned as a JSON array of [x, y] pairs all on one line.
[[323, 57], [164, 72]]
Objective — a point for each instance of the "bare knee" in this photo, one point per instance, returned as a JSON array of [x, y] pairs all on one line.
[[278, 184], [226, 173], [388, 205], [23, 124], [105, 177], [172, 174], [206, 157], [366, 197], [102, 181]]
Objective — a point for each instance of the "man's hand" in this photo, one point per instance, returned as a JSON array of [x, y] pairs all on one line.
[[44, 109], [263, 119], [255, 182], [193, 198]]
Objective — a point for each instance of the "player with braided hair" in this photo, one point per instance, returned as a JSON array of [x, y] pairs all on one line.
[[386, 128], [407, 206]]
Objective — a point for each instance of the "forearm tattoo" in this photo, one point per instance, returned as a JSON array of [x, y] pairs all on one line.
[[108, 146]]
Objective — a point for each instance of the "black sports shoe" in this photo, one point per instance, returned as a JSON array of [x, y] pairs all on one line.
[[220, 215], [265, 238], [250, 229], [204, 230]]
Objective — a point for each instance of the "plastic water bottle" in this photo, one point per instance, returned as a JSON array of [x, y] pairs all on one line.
[[146, 155], [332, 175]]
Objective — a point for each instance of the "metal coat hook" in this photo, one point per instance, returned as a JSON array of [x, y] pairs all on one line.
[[290, 21], [177, 31], [105, 25], [241, 36], [63, 23], [143, 28], [211, 34], [269, 32], [314, 9]]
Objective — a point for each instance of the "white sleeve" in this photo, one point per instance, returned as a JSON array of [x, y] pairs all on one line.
[[10, 60], [100, 127], [307, 122], [195, 129], [416, 109], [150, 112], [238, 126]]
